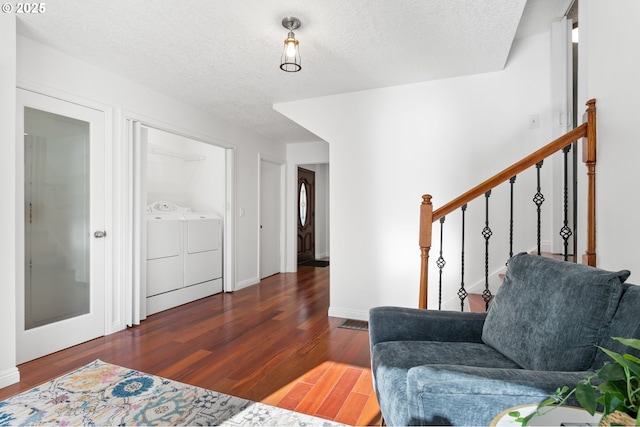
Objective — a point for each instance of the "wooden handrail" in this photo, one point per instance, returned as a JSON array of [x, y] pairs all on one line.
[[511, 171], [587, 131]]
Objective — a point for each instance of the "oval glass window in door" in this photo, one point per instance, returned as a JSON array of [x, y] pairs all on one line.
[[302, 201]]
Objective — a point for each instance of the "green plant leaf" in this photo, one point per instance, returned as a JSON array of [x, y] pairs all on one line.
[[525, 420], [613, 388], [612, 372], [618, 358], [610, 403], [586, 396], [549, 401], [631, 358], [515, 414], [629, 342]]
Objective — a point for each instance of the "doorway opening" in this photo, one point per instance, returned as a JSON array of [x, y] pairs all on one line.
[[179, 211], [306, 215], [312, 211]]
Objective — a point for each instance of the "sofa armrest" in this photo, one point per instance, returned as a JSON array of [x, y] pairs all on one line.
[[410, 324], [469, 395]]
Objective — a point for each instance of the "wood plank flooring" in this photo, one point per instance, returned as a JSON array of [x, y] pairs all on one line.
[[272, 342]]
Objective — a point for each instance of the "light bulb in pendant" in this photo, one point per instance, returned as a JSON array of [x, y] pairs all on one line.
[[290, 60]]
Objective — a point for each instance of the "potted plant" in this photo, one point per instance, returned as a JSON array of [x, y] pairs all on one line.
[[615, 386]]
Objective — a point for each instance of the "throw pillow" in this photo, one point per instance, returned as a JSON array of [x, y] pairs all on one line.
[[549, 315]]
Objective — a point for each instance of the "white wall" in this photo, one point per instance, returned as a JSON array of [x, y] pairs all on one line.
[[323, 226], [52, 72], [8, 372], [305, 153], [390, 146], [609, 60], [186, 172]]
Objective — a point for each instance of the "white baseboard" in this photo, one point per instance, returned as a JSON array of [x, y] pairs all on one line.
[[181, 296], [246, 283], [115, 327], [346, 313], [9, 376]]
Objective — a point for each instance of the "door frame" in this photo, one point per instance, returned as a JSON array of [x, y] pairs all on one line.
[[107, 114], [128, 164], [308, 153], [282, 216], [292, 209], [310, 209]]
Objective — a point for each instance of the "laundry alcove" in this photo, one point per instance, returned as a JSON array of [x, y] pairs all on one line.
[[182, 192]]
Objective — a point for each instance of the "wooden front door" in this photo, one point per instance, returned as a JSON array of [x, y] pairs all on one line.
[[306, 215]]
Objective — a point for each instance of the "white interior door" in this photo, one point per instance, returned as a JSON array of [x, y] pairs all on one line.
[[61, 294], [270, 218]]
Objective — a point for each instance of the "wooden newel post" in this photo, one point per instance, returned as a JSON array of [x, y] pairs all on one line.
[[589, 158], [426, 224]]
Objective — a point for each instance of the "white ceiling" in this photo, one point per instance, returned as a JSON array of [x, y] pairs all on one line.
[[223, 57]]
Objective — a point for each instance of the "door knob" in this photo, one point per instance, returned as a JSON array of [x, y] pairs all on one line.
[[100, 234]]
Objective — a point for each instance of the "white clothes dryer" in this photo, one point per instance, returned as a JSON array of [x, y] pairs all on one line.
[[202, 248]]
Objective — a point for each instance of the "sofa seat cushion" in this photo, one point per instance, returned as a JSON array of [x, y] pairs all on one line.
[[549, 315], [473, 396], [392, 360]]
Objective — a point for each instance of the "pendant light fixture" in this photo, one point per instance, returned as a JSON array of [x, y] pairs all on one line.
[[290, 61]]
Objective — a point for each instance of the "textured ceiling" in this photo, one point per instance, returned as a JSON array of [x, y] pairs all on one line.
[[223, 57]]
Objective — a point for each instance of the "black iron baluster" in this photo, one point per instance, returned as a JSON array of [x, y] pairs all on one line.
[[512, 181], [486, 233], [462, 292], [538, 199], [565, 231], [440, 263]]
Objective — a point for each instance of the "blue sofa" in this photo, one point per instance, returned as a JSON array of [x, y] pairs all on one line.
[[541, 333]]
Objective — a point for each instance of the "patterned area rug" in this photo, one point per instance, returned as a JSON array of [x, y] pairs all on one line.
[[104, 394]]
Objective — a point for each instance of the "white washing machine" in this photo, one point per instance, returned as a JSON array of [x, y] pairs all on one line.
[[202, 248], [165, 248]]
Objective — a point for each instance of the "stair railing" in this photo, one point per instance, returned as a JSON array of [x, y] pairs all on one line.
[[428, 216]]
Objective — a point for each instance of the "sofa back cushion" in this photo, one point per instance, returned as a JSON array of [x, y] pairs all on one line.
[[549, 315], [625, 324]]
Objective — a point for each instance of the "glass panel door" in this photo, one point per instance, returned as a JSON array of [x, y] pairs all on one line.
[[60, 298], [57, 224]]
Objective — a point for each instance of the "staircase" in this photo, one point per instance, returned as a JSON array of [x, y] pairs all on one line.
[[429, 216]]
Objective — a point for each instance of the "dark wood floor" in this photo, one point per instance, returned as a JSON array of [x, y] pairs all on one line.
[[271, 342]]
